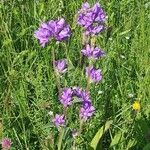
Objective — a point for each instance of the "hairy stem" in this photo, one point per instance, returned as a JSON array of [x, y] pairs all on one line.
[[88, 81], [85, 40], [81, 126], [65, 112], [55, 72], [93, 41], [74, 145], [88, 77], [61, 134]]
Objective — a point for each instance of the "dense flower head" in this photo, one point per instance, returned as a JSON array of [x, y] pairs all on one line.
[[85, 16], [82, 94], [57, 29], [100, 15], [61, 66], [6, 143], [86, 110], [61, 31], [43, 34], [94, 29], [92, 52], [77, 91], [66, 97], [59, 120], [92, 18], [93, 74], [85, 96]]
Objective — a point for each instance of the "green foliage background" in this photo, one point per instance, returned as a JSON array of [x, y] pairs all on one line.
[[27, 82]]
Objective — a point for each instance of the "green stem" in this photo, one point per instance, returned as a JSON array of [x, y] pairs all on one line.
[[85, 41], [93, 41], [65, 112], [74, 145], [88, 82], [81, 126], [55, 72], [79, 133], [88, 78], [61, 134]]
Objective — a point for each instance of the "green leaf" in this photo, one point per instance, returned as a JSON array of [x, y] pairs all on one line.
[[116, 139], [49, 147], [131, 143], [41, 8], [99, 134]]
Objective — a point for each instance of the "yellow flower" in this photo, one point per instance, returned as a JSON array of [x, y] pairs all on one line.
[[136, 106]]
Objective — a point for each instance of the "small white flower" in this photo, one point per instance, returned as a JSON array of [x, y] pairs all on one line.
[[57, 42], [127, 37], [122, 56], [100, 92], [147, 5], [50, 113], [131, 95]]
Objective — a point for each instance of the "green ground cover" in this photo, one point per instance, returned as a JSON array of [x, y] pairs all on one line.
[[27, 82]]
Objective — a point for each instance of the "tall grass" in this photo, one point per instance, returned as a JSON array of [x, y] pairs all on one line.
[[27, 82]]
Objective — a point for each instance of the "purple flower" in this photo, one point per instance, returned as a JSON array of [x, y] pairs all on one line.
[[82, 94], [91, 18], [85, 6], [66, 97], [94, 74], [77, 91], [59, 120], [94, 29], [100, 15], [43, 34], [57, 29], [86, 110], [92, 52], [6, 143], [61, 31], [61, 66], [85, 96], [85, 17]]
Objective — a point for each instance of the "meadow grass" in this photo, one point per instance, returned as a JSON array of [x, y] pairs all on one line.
[[27, 82]]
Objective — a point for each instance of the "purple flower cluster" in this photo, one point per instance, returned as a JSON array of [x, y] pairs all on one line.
[[86, 110], [81, 94], [93, 74], [59, 120], [61, 66], [92, 52], [92, 18], [6, 143], [66, 97], [43, 34], [57, 29]]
